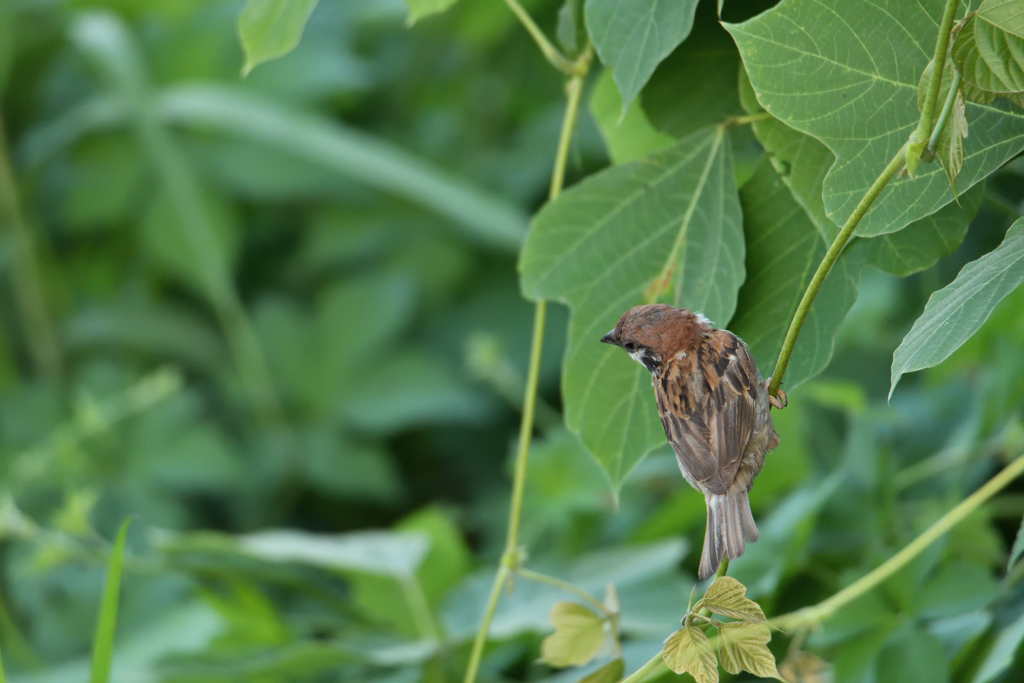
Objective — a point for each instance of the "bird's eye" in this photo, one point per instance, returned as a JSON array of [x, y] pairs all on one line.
[[629, 346]]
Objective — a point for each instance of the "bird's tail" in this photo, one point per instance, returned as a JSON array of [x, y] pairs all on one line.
[[730, 525]]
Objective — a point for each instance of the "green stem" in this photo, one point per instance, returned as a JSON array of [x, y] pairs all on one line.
[[564, 585], [813, 615], [476, 654], [550, 52], [924, 125], [828, 261], [510, 557], [26, 282], [748, 118], [825, 609], [947, 107]]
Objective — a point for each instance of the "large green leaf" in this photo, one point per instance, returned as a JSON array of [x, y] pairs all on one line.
[[989, 50], [1001, 656], [861, 62], [783, 251], [802, 163], [633, 37], [272, 28], [665, 227], [956, 311]]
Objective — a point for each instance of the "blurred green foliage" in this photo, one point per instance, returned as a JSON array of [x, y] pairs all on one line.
[[279, 320]]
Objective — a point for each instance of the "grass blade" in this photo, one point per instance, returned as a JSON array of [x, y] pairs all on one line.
[[103, 642]]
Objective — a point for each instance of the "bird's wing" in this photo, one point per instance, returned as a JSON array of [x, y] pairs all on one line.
[[679, 405], [731, 378]]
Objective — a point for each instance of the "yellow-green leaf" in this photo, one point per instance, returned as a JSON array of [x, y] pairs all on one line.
[[272, 28], [578, 634], [744, 647], [688, 650], [609, 673], [727, 597]]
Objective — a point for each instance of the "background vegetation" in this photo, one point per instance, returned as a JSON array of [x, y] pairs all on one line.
[[278, 321]]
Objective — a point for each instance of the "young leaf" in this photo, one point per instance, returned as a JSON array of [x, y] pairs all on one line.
[[744, 647], [633, 37], [688, 650], [666, 227], [578, 634], [424, 8], [956, 311], [989, 49], [628, 136], [949, 148], [727, 597], [783, 249], [609, 673], [803, 667], [572, 29], [861, 61], [271, 28], [106, 623]]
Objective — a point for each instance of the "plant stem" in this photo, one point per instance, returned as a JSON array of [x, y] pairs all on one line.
[[947, 107], [564, 585], [830, 606], [828, 261], [924, 125], [510, 557], [550, 52], [810, 616], [26, 282]]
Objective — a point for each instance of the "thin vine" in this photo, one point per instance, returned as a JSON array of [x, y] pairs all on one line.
[[512, 555]]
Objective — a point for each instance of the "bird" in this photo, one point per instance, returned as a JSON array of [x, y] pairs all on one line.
[[715, 410]]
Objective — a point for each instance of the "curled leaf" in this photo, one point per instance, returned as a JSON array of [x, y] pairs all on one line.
[[727, 597]]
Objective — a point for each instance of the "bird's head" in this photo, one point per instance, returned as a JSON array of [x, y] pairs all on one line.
[[653, 334]]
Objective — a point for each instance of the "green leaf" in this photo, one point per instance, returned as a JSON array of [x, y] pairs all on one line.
[[989, 49], [783, 250], [665, 227], [679, 102], [271, 28], [1001, 656], [572, 28], [106, 623], [578, 634], [861, 62], [633, 37], [925, 241], [744, 647], [384, 553], [609, 673], [727, 597], [628, 136], [912, 654], [419, 9], [688, 650], [956, 311], [1018, 548], [350, 153]]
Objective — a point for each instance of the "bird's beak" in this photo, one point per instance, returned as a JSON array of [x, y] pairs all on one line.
[[610, 338]]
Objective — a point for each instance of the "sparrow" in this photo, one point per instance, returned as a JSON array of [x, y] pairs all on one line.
[[715, 410]]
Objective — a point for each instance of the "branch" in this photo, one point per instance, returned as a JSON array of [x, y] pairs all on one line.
[[510, 558], [828, 261], [550, 52]]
